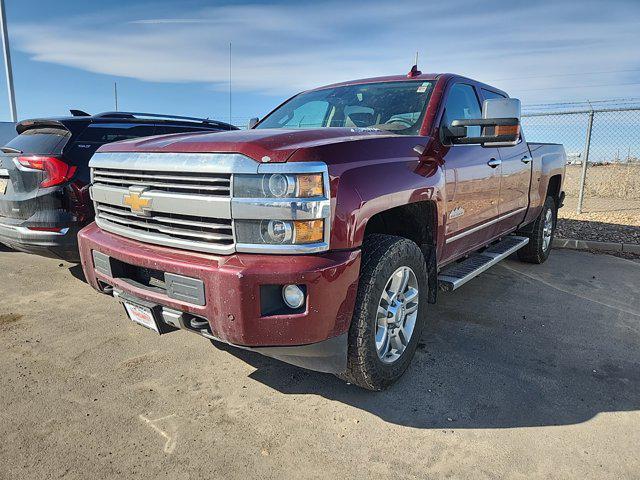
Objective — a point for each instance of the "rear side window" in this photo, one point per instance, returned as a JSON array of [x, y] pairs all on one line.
[[41, 141], [106, 133], [489, 95]]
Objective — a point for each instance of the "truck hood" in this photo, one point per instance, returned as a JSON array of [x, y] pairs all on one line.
[[262, 145]]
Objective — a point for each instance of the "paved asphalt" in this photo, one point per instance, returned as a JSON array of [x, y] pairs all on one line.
[[525, 372]]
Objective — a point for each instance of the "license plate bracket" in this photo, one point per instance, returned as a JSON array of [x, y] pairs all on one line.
[[142, 316], [144, 313]]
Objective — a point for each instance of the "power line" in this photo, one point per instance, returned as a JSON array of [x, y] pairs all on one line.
[[613, 100], [576, 74], [579, 86]]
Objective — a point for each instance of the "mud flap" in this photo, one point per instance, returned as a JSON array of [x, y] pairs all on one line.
[[429, 252]]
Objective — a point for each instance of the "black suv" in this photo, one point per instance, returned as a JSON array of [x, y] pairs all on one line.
[[44, 174]]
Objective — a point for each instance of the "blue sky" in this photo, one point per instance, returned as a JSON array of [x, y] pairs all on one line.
[[172, 56]]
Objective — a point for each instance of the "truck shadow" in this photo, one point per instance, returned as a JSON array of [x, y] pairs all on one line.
[[76, 272], [504, 351]]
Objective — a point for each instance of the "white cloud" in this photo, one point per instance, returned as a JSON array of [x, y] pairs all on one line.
[[284, 48]]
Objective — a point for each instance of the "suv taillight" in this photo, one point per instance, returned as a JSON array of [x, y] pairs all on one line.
[[56, 169]]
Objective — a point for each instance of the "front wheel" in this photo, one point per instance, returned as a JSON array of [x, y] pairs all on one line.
[[541, 235], [389, 313]]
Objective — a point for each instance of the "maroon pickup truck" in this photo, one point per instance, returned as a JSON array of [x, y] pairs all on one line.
[[321, 235]]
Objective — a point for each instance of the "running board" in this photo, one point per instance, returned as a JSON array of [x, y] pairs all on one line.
[[456, 275]]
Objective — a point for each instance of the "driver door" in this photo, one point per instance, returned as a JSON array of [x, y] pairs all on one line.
[[472, 175]]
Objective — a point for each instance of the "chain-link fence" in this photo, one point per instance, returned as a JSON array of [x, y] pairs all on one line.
[[603, 150]]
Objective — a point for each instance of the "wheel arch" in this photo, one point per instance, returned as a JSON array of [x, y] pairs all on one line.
[[554, 188], [418, 222]]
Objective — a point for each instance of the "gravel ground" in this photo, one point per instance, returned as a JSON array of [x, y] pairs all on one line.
[[597, 231], [530, 371], [603, 220]]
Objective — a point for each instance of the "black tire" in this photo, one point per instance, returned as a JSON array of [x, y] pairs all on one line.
[[534, 251], [382, 255]]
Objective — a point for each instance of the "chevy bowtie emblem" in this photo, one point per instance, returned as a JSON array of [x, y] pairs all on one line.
[[136, 202]]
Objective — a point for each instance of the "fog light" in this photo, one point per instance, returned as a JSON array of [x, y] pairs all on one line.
[[293, 296]]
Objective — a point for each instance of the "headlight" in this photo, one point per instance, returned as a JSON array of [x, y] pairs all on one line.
[[279, 232], [283, 208], [278, 185]]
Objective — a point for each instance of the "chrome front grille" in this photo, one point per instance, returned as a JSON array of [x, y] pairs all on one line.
[[185, 200], [180, 182], [213, 231], [178, 200]]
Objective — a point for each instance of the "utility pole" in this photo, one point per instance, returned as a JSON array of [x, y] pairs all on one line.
[[230, 122], [7, 63], [115, 93]]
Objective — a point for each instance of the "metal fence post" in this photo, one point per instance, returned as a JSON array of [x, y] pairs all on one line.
[[585, 161]]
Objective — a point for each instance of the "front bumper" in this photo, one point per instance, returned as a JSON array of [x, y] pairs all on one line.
[[314, 338], [63, 244]]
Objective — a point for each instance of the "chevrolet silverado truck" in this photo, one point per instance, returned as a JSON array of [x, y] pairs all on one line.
[[320, 235]]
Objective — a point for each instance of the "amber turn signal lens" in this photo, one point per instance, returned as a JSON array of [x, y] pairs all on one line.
[[308, 232], [507, 130], [310, 185]]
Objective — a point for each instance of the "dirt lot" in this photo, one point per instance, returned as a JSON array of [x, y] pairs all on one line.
[[526, 372], [605, 181], [611, 207]]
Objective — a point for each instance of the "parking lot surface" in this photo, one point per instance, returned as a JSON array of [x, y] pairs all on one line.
[[525, 372]]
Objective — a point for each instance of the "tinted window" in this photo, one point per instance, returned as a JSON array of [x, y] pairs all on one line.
[[105, 133], [462, 104], [41, 141], [396, 107], [167, 129], [489, 95]]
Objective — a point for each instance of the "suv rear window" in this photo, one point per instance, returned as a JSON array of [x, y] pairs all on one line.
[[40, 141], [105, 133]]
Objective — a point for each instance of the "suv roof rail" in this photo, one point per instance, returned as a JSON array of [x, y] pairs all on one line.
[[159, 116]]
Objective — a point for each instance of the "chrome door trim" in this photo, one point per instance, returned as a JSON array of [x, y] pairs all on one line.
[[484, 225]]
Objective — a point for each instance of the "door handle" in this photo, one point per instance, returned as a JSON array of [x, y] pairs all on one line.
[[525, 159], [493, 163]]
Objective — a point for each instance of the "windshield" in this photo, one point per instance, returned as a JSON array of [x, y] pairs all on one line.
[[397, 107]]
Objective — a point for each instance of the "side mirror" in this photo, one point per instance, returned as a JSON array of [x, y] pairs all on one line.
[[499, 125], [253, 122]]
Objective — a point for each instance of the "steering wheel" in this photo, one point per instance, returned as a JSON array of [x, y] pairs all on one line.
[[408, 123]]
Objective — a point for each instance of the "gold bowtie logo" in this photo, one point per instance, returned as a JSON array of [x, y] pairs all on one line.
[[137, 204]]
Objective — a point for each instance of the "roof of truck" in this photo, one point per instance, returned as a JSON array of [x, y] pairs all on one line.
[[389, 78], [423, 77]]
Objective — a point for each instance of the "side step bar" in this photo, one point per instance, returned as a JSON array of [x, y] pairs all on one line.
[[456, 275]]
